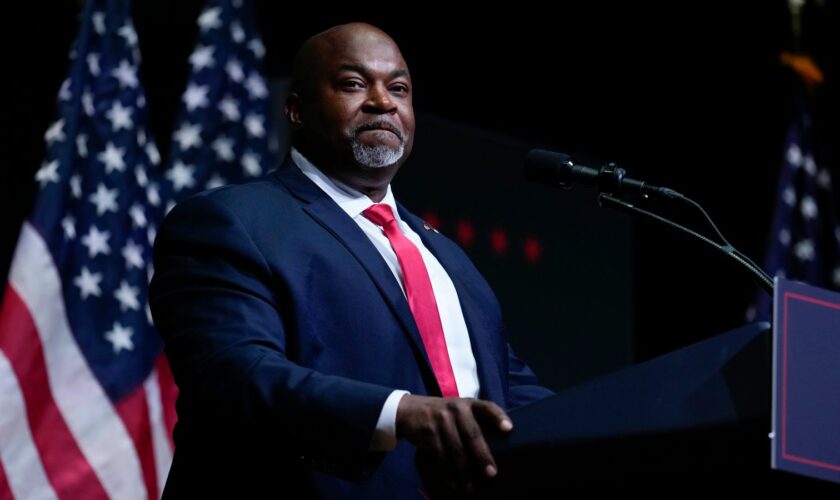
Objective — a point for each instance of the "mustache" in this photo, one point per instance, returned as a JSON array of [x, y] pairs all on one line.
[[381, 124]]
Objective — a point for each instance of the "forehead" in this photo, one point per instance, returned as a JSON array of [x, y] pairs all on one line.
[[370, 51]]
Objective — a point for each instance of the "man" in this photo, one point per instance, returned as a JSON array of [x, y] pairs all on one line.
[[313, 324]]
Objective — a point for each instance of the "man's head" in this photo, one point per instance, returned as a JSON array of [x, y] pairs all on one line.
[[350, 105]]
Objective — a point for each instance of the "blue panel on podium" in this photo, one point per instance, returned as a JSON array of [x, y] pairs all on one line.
[[806, 391]]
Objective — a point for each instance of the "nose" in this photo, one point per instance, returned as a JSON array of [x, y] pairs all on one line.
[[379, 101]]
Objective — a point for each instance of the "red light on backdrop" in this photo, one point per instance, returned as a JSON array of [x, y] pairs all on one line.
[[465, 233], [499, 241], [532, 249]]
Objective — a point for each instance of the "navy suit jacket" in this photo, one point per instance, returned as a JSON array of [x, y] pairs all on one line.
[[286, 331]]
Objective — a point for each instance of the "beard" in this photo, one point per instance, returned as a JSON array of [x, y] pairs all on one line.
[[380, 155]]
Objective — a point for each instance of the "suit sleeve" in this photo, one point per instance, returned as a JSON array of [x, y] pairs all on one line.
[[523, 386], [218, 308]]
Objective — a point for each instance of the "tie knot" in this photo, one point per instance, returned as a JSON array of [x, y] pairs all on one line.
[[379, 213]]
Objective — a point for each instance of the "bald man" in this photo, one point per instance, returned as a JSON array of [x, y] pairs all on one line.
[[318, 331]]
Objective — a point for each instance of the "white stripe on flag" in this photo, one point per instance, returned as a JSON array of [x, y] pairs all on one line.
[[160, 441], [89, 414], [24, 470]]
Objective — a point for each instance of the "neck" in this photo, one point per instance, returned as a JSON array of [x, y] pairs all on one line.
[[372, 182]]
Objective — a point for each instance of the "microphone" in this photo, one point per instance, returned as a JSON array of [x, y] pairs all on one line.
[[560, 170]]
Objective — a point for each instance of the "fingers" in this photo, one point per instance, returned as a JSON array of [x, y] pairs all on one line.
[[494, 414], [476, 445]]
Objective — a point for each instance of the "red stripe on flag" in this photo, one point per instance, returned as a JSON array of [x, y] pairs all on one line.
[[168, 395], [67, 468], [134, 412], [5, 489]]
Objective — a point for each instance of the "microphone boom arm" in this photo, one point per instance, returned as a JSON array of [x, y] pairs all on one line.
[[758, 275]]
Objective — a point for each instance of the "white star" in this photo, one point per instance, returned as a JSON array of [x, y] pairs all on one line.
[[88, 283], [251, 164], [256, 86], [152, 194], [223, 146], [76, 186], [234, 70], [257, 48], [824, 179], [138, 216], [81, 145], [120, 117], [789, 196], [47, 173], [141, 137], [126, 74], [87, 103], [202, 57], [196, 96], [127, 32], [68, 223], [215, 181], [112, 157], [808, 207], [784, 237], [188, 136], [152, 153], [120, 338], [836, 277], [181, 175], [96, 242], [209, 19], [55, 132], [150, 234], [254, 125], [98, 19], [133, 254], [149, 312], [127, 296], [105, 199], [229, 108], [810, 165], [237, 32], [140, 175], [93, 63], [804, 250], [64, 92], [794, 155], [141, 101]]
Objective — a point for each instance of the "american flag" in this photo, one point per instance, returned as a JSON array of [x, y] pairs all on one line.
[[87, 398], [223, 134], [805, 243]]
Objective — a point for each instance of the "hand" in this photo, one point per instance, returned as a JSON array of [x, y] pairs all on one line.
[[449, 428]]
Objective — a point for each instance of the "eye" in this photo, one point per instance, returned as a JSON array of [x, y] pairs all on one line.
[[352, 84], [399, 88]]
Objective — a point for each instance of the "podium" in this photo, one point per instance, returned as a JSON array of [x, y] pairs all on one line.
[[694, 419]]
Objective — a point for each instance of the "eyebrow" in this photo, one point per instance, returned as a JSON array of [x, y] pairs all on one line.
[[361, 69]]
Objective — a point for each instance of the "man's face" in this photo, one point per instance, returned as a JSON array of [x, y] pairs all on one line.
[[360, 103]]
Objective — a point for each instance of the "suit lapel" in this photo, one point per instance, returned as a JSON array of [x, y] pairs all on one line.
[[486, 355], [329, 215]]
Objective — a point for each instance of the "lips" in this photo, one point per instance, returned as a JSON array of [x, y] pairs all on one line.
[[381, 126]]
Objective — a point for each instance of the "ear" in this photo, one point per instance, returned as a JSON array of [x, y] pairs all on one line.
[[293, 111]]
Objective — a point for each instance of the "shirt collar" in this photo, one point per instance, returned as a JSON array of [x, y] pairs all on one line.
[[352, 201]]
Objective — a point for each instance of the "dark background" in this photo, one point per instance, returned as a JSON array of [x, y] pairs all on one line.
[[689, 95]]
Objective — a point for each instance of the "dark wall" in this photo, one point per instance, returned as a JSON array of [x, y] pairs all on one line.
[[685, 94]]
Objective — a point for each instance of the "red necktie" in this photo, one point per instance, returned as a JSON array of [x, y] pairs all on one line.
[[421, 297]]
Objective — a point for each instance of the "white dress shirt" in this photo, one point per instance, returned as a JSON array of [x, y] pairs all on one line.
[[455, 331]]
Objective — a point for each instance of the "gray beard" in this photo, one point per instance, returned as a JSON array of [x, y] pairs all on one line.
[[377, 156]]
